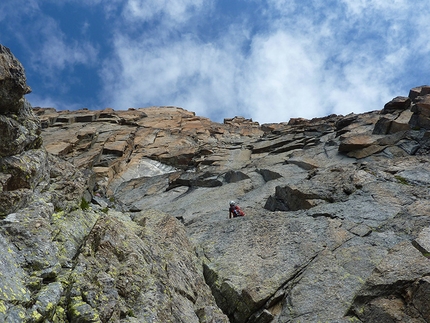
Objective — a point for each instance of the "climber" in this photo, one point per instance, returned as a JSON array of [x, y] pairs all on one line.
[[234, 210]]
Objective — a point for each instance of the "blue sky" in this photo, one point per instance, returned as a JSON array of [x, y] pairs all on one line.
[[269, 60]]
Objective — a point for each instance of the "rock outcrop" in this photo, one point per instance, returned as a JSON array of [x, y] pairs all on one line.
[[66, 260], [122, 216]]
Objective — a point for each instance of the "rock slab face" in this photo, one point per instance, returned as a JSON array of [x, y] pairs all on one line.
[[141, 270], [122, 216]]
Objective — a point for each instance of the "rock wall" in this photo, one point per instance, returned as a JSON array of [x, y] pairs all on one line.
[[64, 259], [122, 216]]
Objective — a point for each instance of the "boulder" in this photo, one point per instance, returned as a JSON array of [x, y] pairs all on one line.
[[383, 126], [421, 111], [399, 103], [401, 123]]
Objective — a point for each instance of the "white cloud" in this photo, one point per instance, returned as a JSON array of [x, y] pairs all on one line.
[[419, 38], [51, 102], [145, 10], [282, 78], [360, 7], [176, 10], [281, 7], [57, 53], [187, 73]]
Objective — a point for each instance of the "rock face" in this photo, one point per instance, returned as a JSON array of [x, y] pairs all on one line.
[[64, 259], [122, 216]]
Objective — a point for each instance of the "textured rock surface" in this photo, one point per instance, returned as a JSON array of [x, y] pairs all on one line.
[[140, 271], [64, 259], [122, 216], [327, 201]]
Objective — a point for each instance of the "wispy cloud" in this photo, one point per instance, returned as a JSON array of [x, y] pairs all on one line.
[[188, 73], [49, 49], [178, 10], [15, 9], [57, 53], [52, 102]]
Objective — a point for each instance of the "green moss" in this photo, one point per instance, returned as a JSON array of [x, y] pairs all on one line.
[[401, 180], [85, 205]]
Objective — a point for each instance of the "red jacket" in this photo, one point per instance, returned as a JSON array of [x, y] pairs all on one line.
[[236, 211]]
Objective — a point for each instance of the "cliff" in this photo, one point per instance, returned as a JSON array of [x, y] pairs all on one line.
[[122, 216]]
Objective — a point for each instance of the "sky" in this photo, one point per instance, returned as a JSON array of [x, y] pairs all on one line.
[[268, 60]]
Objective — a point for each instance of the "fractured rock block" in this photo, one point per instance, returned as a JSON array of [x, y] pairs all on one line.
[[59, 148], [419, 91], [398, 103], [401, 123], [356, 142], [419, 121], [27, 170], [115, 148], [422, 105], [382, 127]]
